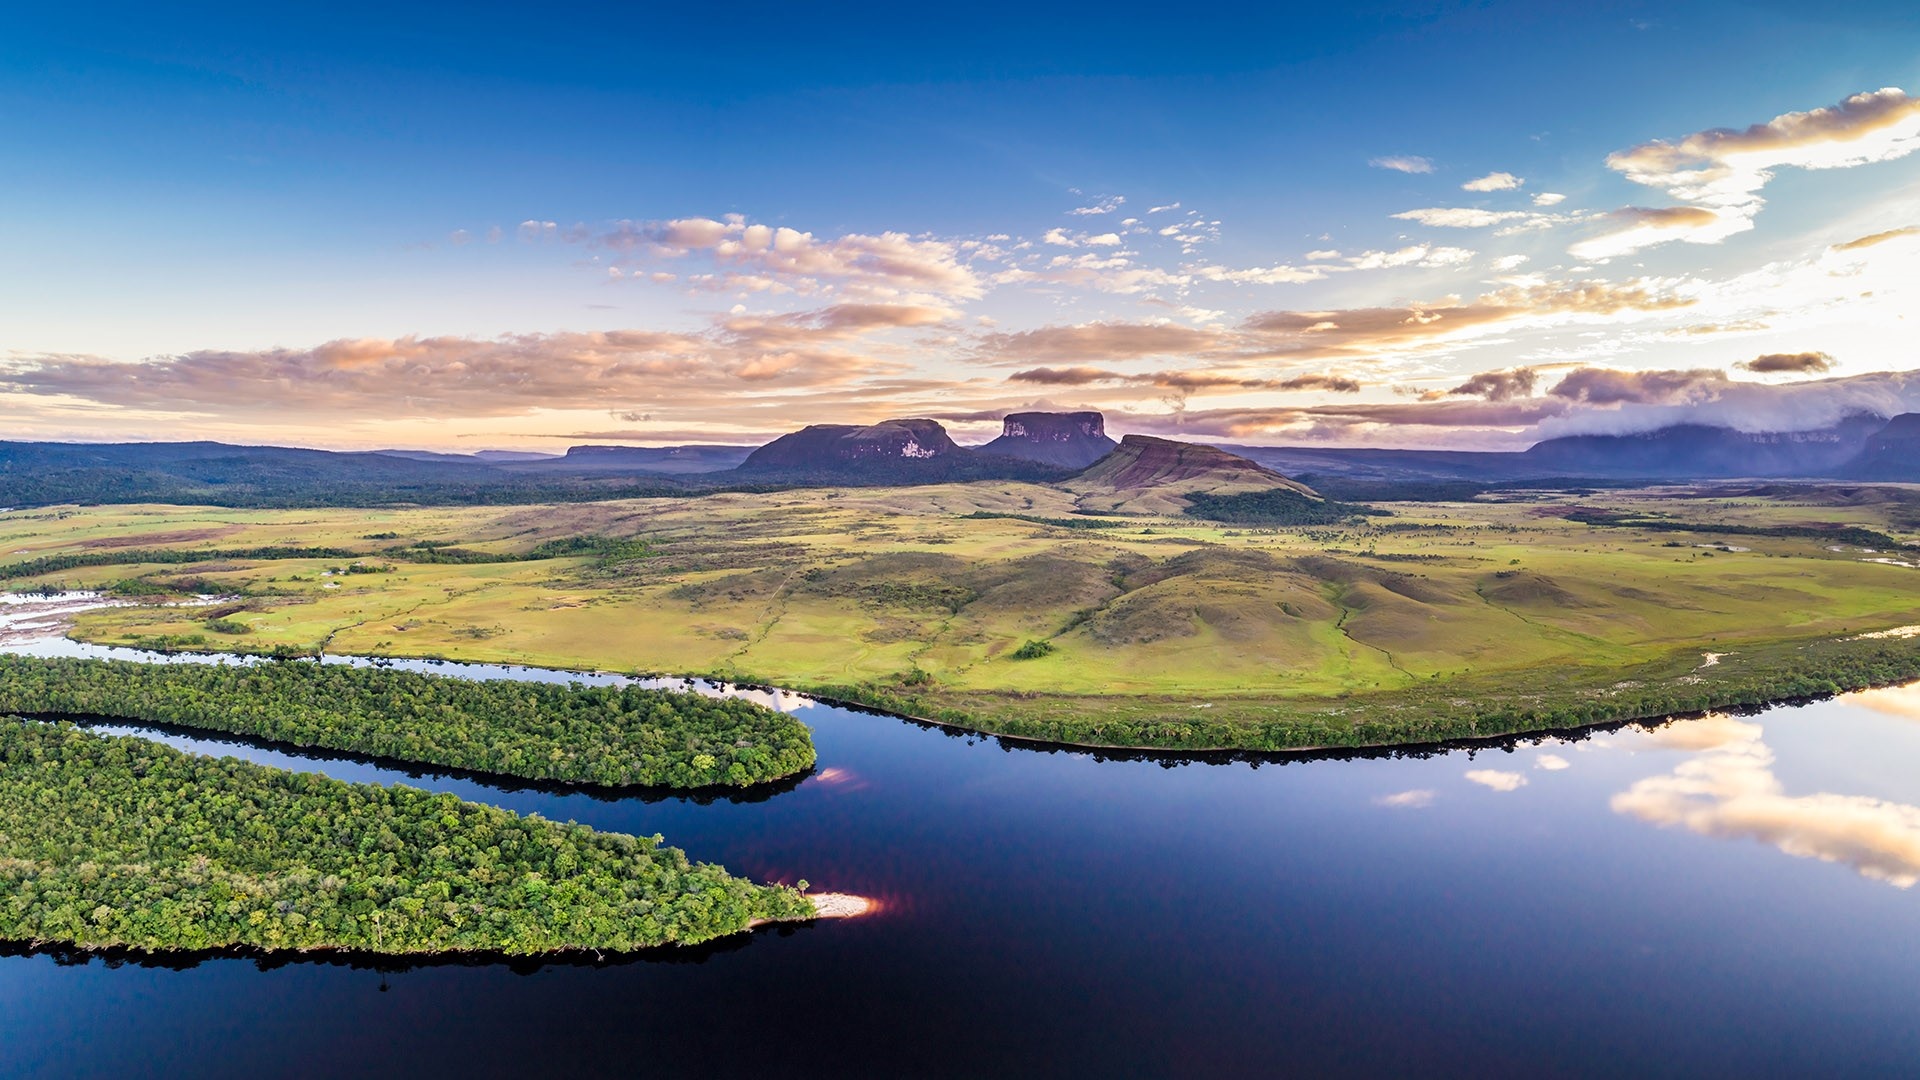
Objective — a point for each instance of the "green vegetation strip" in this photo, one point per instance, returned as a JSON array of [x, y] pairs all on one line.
[[1511, 704], [1055, 522], [607, 549], [1831, 534], [120, 842], [1276, 507], [613, 736]]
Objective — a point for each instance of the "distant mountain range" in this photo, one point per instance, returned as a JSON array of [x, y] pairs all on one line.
[[1036, 446], [1859, 447], [665, 460]]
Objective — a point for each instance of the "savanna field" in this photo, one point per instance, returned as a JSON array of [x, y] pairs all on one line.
[[999, 604]]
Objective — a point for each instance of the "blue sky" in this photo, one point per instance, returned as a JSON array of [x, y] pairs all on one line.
[[479, 225]]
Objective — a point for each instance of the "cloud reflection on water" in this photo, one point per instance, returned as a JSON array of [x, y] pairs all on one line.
[[1497, 779], [1901, 701], [1730, 791]]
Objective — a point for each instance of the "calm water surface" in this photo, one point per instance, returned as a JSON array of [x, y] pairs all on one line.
[[1717, 896]]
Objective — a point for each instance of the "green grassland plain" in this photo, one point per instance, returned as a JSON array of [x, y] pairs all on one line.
[[1165, 631]]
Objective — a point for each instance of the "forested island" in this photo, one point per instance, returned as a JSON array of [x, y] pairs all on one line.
[[117, 841], [609, 736]]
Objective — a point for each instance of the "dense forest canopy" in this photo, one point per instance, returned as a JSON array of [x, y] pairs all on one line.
[[1276, 507], [116, 841], [614, 736]]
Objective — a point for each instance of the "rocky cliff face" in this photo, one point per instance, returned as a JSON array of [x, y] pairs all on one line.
[[1074, 440], [1892, 453], [1694, 451], [839, 447]]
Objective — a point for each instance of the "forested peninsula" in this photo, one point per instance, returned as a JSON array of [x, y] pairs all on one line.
[[117, 841], [608, 736]]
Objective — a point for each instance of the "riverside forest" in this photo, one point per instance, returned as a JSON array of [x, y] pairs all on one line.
[[598, 735], [115, 841]]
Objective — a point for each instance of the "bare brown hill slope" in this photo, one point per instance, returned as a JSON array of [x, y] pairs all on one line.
[[1146, 475]]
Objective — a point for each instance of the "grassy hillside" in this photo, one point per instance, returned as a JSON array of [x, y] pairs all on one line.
[[914, 597]]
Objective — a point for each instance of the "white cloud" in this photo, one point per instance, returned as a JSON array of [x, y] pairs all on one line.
[[1406, 163], [1497, 779], [1106, 205], [1422, 255], [1462, 217], [1552, 763], [1496, 181], [1549, 198], [764, 258], [1719, 173], [1509, 262], [1416, 799]]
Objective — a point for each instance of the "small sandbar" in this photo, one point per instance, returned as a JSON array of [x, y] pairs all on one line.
[[838, 905], [1896, 632]]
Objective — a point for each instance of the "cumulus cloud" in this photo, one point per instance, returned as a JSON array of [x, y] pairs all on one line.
[[1800, 363], [1462, 217], [1549, 198], [1423, 256], [1405, 163], [1494, 181], [1417, 799], [1731, 792], [1607, 386], [1499, 385], [1497, 780], [1721, 172], [759, 257], [1105, 205], [1552, 763]]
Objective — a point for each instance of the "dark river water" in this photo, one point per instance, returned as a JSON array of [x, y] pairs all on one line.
[[1718, 896]]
